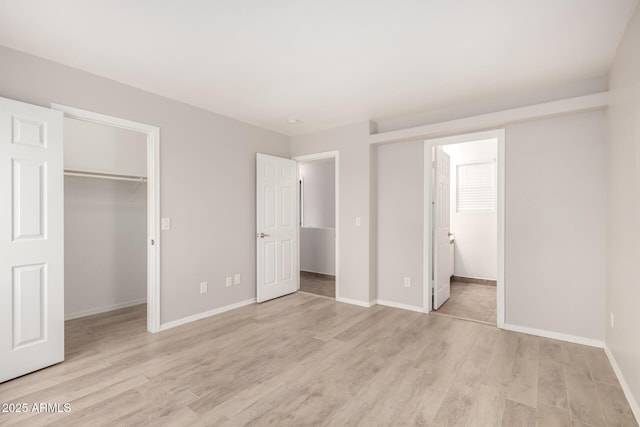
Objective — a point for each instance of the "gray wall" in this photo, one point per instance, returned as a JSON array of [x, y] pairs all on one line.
[[623, 222], [105, 234], [354, 199], [400, 222], [207, 177], [555, 222]]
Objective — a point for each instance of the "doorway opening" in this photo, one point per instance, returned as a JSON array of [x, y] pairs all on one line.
[[111, 169], [464, 226], [318, 223]]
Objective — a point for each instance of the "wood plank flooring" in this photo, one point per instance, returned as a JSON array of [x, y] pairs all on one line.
[[303, 360], [318, 284], [471, 301]]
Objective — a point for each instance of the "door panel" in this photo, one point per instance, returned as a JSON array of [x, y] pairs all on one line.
[[287, 207], [276, 226], [269, 207], [441, 215], [31, 239], [287, 258], [29, 317], [28, 132], [270, 270], [29, 193]]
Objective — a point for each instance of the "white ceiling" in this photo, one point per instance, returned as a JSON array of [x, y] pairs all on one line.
[[326, 62]]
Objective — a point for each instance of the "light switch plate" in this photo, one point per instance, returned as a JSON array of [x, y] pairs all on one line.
[[166, 223], [228, 281], [236, 279], [204, 287], [358, 221]]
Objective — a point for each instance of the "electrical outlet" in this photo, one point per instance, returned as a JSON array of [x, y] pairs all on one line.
[[611, 319], [228, 281], [204, 287], [236, 279], [407, 282]]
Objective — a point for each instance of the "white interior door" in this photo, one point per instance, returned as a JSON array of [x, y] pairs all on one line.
[[441, 216], [276, 227], [31, 239]]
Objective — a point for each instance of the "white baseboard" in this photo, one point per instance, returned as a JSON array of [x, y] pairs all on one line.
[[555, 335], [399, 305], [205, 314], [633, 402], [356, 302], [104, 309]]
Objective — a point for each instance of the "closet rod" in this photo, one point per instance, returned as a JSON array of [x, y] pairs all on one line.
[[69, 172]]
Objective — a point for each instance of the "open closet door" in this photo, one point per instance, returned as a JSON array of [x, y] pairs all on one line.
[[31, 239], [441, 220], [276, 227]]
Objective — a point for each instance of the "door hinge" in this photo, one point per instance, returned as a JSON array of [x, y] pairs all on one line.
[[153, 242]]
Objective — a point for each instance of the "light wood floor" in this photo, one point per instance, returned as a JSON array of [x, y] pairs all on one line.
[[305, 360], [318, 284], [471, 301]]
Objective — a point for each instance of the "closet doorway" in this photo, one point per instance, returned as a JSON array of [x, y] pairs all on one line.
[[111, 215]]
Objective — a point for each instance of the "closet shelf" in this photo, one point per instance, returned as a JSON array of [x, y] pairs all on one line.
[[115, 176]]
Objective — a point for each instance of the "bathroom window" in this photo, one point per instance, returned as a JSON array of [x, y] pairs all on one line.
[[476, 187]]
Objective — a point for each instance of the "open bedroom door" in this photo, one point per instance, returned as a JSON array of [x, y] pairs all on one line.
[[276, 227]]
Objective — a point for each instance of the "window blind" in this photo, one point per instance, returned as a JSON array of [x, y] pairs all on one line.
[[475, 187]]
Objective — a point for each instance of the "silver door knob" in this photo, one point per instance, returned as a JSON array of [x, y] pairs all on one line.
[[262, 235]]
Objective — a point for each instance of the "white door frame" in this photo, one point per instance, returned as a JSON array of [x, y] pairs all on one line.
[[153, 199], [499, 135], [322, 156]]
